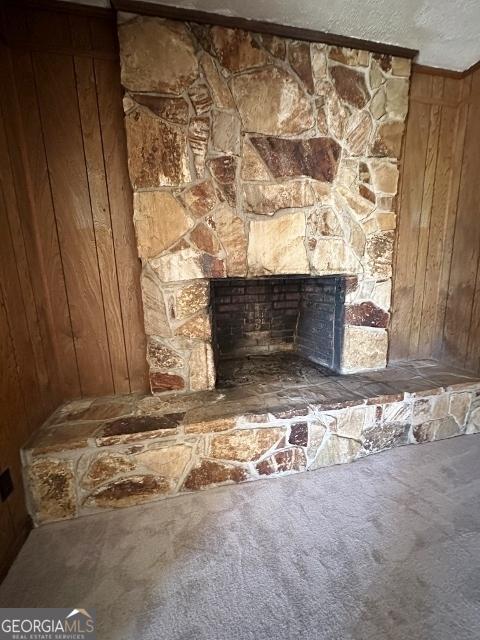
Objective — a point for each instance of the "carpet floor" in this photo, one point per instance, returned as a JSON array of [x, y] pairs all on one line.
[[387, 548]]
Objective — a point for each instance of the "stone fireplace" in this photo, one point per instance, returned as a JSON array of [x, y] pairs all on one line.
[[266, 161]]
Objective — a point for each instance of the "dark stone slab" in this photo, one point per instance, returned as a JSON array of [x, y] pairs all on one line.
[[166, 381], [141, 424], [351, 86], [299, 434], [210, 472], [366, 314], [313, 157], [385, 436]]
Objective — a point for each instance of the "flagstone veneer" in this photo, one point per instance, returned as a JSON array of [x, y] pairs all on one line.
[[256, 155]]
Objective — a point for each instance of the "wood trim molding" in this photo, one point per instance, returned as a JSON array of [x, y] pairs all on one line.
[[203, 17]]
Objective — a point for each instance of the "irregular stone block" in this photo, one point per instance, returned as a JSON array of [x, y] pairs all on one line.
[[350, 86], [348, 423], [396, 91], [336, 450], [187, 264], [209, 473], [272, 102], [382, 294], [378, 104], [198, 135], [252, 166], [299, 58], [401, 66], [173, 109], [379, 253], [160, 221], [145, 40], [223, 169], [437, 430], [210, 425], [154, 311], [313, 157], [358, 133], [274, 45], [190, 299], [127, 492], [385, 436], [376, 76], [197, 327], [159, 356], [473, 421], [432, 408], [384, 60], [277, 246], [361, 206], [52, 484], [157, 151], [200, 199], [267, 199], [202, 367], [200, 97], [236, 49], [384, 175], [290, 460], [165, 382], [221, 95], [226, 132], [364, 348], [397, 412], [323, 221], [106, 466], [245, 445], [299, 434], [459, 407], [134, 428], [231, 231], [168, 462], [318, 59], [366, 314], [203, 238], [388, 139], [351, 57], [334, 255]]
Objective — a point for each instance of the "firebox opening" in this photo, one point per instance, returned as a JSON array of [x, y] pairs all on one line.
[[261, 317]]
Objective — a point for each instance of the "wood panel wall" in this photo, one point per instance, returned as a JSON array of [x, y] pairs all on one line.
[[70, 309], [436, 293]]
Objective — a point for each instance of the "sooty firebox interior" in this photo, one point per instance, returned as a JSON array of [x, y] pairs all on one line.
[[263, 316]]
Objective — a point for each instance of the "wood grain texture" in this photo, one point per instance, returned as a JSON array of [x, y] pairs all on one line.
[[436, 292], [70, 307]]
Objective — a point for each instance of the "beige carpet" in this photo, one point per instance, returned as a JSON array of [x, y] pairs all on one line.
[[387, 548]]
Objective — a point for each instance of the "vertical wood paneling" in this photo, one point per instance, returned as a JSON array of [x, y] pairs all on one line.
[[436, 298], [70, 309]]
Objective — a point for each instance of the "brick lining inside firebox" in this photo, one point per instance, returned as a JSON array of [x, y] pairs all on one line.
[[259, 316]]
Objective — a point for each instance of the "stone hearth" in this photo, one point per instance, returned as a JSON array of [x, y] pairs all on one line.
[[254, 155], [281, 416]]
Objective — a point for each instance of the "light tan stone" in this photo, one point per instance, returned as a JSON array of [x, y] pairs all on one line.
[[396, 91], [334, 255], [156, 55], [401, 66], [187, 263], [52, 485], [271, 101], [382, 294], [338, 116], [190, 299], [198, 136], [274, 45], [253, 167], [161, 357], [459, 407], [226, 132], [157, 151], [384, 175], [431, 408], [267, 199], [231, 232], [245, 445], [319, 65], [358, 134], [236, 50], [378, 104], [356, 203], [336, 450], [386, 220], [299, 58], [154, 311], [349, 423], [277, 246], [376, 77], [364, 348], [160, 220], [388, 139], [202, 367], [219, 89], [317, 431], [197, 327], [169, 462]]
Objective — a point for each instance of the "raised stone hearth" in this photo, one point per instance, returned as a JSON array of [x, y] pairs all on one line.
[[257, 156], [273, 415]]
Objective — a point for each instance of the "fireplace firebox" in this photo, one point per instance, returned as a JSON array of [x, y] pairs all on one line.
[[262, 316]]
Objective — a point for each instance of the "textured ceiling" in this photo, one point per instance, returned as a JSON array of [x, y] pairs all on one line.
[[445, 31]]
